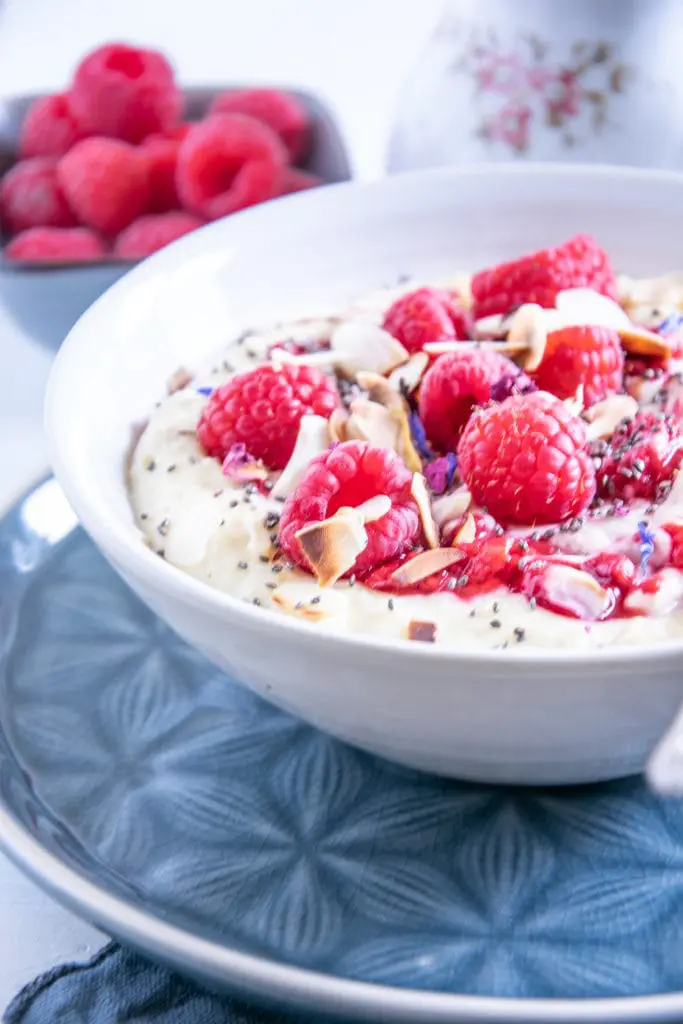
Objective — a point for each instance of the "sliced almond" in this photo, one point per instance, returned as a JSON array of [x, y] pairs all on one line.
[[424, 565], [638, 341], [337, 425], [604, 417], [442, 348], [467, 532], [584, 307], [408, 376], [419, 491], [313, 439], [360, 346], [424, 632], [179, 380], [451, 506], [332, 546]]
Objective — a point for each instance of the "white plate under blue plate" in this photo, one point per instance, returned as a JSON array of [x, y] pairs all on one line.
[[180, 813]]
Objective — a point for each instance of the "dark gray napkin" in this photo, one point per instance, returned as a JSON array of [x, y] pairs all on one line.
[[117, 986]]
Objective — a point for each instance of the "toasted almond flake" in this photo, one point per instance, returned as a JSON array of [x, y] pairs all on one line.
[[418, 489], [360, 346], [313, 439], [530, 327], [424, 565], [408, 376], [638, 341], [333, 545], [179, 380], [425, 632], [337, 425], [467, 532], [584, 307], [451, 506], [604, 417], [576, 591]]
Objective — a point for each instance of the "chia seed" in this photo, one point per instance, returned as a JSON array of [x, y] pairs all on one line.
[[234, 503], [171, 468], [144, 515], [495, 623], [390, 604], [276, 568], [271, 520], [257, 602], [163, 527], [315, 600], [242, 565], [217, 494], [151, 465], [520, 633], [264, 559], [496, 607], [532, 603]]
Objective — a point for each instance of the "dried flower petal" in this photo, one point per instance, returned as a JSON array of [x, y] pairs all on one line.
[[441, 472], [240, 466]]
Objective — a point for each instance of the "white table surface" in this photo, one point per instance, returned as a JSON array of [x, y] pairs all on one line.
[[355, 54]]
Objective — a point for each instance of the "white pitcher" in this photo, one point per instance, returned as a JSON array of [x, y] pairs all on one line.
[[561, 80]]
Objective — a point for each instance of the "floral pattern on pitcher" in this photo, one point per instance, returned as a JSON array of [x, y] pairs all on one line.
[[518, 87]]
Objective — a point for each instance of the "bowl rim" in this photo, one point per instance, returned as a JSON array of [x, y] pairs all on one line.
[[110, 534]]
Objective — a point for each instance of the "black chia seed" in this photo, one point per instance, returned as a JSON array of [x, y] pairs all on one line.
[[163, 527], [495, 623]]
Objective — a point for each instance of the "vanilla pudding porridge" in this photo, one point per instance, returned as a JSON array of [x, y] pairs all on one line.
[[489, 462]]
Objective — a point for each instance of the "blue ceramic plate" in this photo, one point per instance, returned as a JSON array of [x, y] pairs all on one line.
[[182, 814]]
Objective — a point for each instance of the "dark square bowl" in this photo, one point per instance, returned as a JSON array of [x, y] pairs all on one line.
[[45, 301]]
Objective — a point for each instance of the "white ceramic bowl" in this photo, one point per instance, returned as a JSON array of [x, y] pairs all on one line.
[[524, 717]]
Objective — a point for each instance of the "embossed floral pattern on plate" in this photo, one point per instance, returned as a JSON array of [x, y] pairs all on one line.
[[150, 772]]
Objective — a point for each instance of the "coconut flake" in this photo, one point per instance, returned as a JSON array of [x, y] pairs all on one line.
[[576, 591], [372, 422], [380, 392], [332, 546], [280, 357], [424, 565], [337, 425], [406, 378], [313, 439], [360, 346], [529, 328], [418, 489], [467, 533], [664, 600], [584, 307], [604, 417], [372, 509]]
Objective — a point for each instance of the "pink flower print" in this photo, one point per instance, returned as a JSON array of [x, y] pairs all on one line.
[[511, 125], [564, 99], [502, 74], [539, 78]]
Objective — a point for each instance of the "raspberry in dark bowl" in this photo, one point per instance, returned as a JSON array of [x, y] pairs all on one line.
[[51, 275]]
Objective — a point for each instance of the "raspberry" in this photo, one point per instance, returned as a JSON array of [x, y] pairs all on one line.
[[282, 112], [294, 180], [579, 263], [428, 314], [262, 409], [56, 244], [642, 458], [105, 182], [49, 128], [525, 460], [125, 93], [30, 197], [149, 234], [161, 158], [451, 388], [587, 356], [348, 475], [228, 162]]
